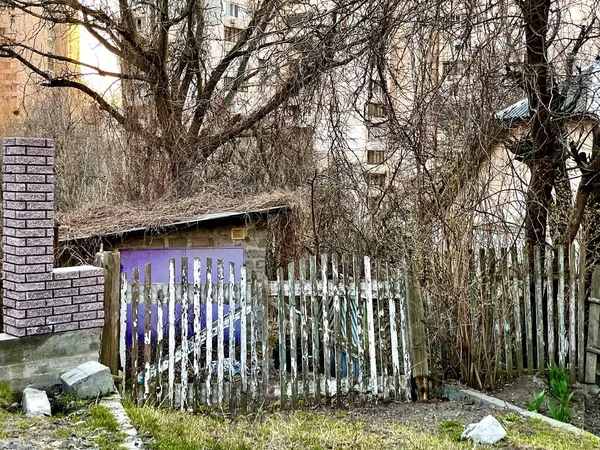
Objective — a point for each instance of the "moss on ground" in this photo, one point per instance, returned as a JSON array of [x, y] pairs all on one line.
[[318, 430]]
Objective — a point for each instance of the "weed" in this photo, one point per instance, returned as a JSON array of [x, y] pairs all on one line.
[[7, 396], [538, 398], [559, 387], [101, 417], [453, 429], [512, 418]]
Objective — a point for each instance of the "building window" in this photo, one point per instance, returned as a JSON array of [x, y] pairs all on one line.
[[376, 180], [375, 110], [50, 41], [234, 10], [376, 89], [375, 156], [232, 34], [376, 133]]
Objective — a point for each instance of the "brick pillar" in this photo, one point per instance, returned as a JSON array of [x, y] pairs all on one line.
[[37, 298]]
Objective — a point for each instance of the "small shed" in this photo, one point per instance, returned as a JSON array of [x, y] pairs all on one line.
[[260, 232]]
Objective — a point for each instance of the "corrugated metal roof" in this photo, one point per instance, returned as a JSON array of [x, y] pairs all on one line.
[[583, 97]]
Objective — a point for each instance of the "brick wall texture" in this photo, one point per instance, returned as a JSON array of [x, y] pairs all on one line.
[[39, 298]]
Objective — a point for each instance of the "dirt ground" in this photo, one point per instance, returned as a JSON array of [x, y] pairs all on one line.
[[586, 406]]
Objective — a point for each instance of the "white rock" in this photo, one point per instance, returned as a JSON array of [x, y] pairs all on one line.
[[88, 380], [488, 431], [35, 403]]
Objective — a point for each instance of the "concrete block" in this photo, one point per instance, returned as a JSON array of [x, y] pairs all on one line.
[[35, 403], [487, 432], [88, 380]]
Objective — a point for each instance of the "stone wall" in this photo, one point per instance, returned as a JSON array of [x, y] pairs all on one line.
[[38, 298]]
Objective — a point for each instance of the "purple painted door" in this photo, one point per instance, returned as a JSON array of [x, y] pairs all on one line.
[[159, 258]]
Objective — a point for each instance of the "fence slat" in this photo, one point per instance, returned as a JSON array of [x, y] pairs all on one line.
[[293, 334], [527, 311], [347, 331], [506, 314], [209, 335], [220, 332], [403, 303], [493, 270], [572, 313], [262, 292], [359, 328], [282, 343], [123, 331], [314, 310], [197, 328], [253, 294], [325, 316], [563, 346], [243, 338], [135, 297], [581, 315], [171, 329], [539, 314], [379, 302], [303, 328], [231, 327], [371, 329], [147, 328], [517, 310], [336, 328], [185, 301], [550, 314], [393, 331], [591, 363]]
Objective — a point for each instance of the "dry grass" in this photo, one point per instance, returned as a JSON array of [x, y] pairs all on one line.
[[98, 220]]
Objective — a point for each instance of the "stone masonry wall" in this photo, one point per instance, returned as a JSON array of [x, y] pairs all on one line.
[[37, 297]]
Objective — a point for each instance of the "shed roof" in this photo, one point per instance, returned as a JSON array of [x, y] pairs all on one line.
[[582, 97], [108, 221]]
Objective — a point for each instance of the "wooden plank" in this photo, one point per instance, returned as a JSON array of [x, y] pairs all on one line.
[[493, 271], [109, 352], [220, 331], [325, 317], [539, 314], [244, 298], [563, 343], [293, 334], [208, 308], [418, 338], [185, 301], [123, 330], [314, 310], [304, 329], [254, 326], [336, 329], [171, 330], [572, 313], [403, 307], [581, 273], [197, 268], [147, 328], [371, 331], [393, 331], [358, 304], [160, 302], [282, 344], [135, 298], [550, 313], [379, 302], [591, 360], [517, 310], [508, 355], [264, 299], [347, 331], [528, 315], [231, 343]]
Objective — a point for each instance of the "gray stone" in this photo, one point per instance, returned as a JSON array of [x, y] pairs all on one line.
[[35, 403], [488, 431], [88, 380]]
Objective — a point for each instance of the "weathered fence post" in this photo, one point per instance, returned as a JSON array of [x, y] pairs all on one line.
[[593, 344], [109, 352], [418, 339]]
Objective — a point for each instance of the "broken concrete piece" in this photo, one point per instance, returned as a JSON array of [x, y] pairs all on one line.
[[88, 380], [35, 403], [488, 431]]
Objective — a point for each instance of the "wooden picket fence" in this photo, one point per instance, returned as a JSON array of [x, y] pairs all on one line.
[[523, 320], [334, 332]]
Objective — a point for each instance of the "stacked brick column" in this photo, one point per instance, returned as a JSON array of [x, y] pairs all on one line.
[[37, 298]]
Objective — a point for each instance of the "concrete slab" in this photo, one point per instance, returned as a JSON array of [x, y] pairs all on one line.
[[36, 403], [88, 380]]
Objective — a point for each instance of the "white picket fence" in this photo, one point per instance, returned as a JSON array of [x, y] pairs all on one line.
[[337, 332]]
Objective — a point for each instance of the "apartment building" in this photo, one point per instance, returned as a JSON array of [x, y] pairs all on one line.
[[19, 89]]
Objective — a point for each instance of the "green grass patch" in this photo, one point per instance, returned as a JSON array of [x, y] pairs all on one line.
[[171, 430], [7, 396]]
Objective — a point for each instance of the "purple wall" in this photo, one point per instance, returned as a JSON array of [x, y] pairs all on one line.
[[159, 258]]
